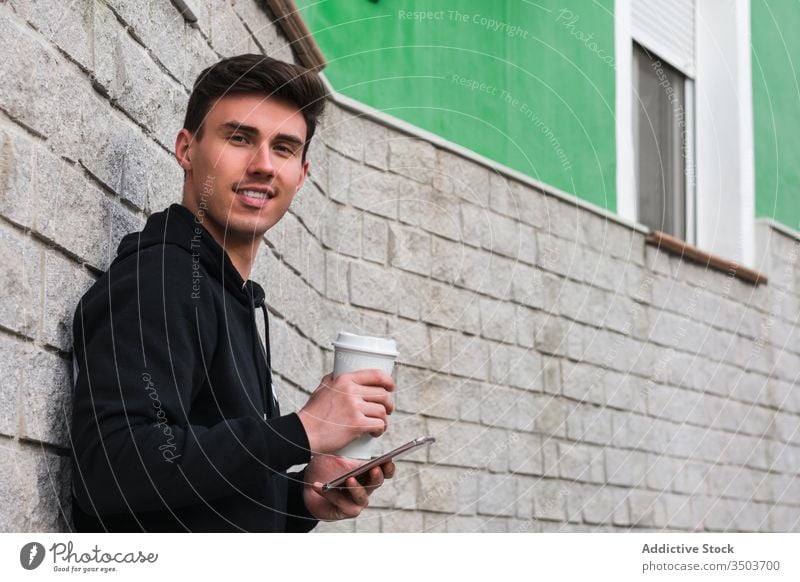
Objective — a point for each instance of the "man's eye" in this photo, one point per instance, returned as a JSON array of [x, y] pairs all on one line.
[[238, 138], [284, 149]]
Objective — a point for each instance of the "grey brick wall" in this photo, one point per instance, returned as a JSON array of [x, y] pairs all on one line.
[[575, 378]]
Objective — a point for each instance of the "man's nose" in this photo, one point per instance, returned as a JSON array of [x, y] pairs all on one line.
[[261, 163]]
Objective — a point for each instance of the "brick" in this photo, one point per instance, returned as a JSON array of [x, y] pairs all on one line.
[[34, 492], [294, 356], [376, 146], [517, 367], [487, 274], [470, 399], [74, 214], [662, 472], [409, 249], [375, 192], [375, 240], [12, 377], [556, 255], [21, 280], [345, 132], [318, 167], [580, 462], [438, 213], [38, 83], [635, 431], [509, 408], [64, 284], [197, 56], [584, 383], [518, 201], [335, 527], [466, 179], [502, 236], [551, 376], [525, 454], [604, 505], [432, 395], [449, 307], [121, 157], [413, 158], [474, 222], [550, 501], [625, 467], [498, 320], [342, 230], [448, 490], [552, 337], [528, 287], [469, 357], [45, 405], [564, 218], [161, 29], [646, 509], [401, 492], [69, 27], [447, 259], [441, 350], [374, 324], [17, 174], [368, 521], [270, 38], [550, 417], [470, 446], [497, 495], [402, 522], [125, 71]]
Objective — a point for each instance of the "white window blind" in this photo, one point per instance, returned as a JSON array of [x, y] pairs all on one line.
[[666, 28]]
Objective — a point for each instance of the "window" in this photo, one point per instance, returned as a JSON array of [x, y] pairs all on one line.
[[662, 149]]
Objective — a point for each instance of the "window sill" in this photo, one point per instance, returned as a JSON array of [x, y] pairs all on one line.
[[676, 246]]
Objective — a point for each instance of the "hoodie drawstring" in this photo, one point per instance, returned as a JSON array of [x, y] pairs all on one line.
[[267, 390]]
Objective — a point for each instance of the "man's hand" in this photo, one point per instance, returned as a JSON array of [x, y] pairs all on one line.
[[341, 410], [348, 500]]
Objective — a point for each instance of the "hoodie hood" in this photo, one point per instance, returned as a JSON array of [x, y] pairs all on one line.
[[178, 226]]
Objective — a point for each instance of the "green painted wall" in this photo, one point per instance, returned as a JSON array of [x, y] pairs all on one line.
[[529, 84], [776, 109]]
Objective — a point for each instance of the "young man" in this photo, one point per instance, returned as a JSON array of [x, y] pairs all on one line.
[[175, 424]]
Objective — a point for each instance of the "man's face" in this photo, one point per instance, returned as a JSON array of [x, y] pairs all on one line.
[[246, 167]]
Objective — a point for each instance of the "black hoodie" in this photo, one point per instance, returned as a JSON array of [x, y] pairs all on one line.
[[175, 426]]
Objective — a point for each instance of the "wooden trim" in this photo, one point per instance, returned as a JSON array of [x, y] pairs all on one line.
[[676, 246], [300, 38]]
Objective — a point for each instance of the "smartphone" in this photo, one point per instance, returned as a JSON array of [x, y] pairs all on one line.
[[361, 469]]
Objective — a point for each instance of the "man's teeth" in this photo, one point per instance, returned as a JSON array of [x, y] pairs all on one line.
[[254, 193]]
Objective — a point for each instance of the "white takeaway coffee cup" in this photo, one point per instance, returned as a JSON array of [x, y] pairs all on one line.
[[360, 352]]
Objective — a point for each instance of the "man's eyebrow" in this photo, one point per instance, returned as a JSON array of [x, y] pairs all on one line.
[[238, 126], [290, 138]]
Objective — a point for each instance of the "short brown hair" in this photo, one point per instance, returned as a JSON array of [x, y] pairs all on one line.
[[250, 73]]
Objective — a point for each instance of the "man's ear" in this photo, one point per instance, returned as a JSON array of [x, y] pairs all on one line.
[[182, 146]]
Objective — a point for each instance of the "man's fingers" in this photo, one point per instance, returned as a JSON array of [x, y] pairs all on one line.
[[357, 492], [373, 377], [388, 469], [378, 396]]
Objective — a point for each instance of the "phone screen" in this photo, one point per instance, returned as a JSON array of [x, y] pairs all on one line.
[[361, 469]]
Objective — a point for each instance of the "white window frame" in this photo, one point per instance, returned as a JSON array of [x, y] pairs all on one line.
[[720, 204]]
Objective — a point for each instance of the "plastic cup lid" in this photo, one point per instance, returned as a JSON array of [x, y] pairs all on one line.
[[364, 343]]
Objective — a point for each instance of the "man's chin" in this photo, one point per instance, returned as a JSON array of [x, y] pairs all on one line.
[[246, 231]]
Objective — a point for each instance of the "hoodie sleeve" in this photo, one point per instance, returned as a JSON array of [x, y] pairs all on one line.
[[299, 518], [142, 346]]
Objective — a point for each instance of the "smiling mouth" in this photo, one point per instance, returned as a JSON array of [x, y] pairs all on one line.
[[260, 194]]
